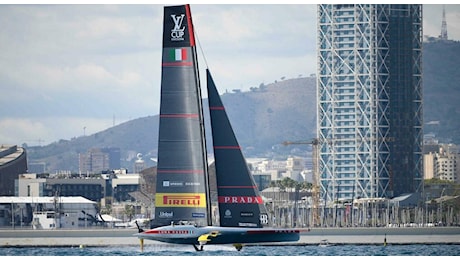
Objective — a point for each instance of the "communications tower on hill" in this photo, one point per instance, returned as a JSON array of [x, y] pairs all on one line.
[[443, 35]]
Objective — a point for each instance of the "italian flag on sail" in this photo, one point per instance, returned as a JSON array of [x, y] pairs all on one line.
[[178, 54]]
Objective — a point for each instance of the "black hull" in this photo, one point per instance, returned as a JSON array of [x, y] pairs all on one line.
[[254, 238], [236, 238]]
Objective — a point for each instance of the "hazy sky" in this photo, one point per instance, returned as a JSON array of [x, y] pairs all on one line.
[[68, 70]]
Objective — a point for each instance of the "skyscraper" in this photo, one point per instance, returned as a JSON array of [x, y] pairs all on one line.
[[369, 96]]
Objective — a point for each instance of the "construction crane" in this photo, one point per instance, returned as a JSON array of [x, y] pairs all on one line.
[[315, 189]]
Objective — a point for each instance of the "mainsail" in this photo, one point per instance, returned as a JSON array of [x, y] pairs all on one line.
[[240, 204], [182, 192]]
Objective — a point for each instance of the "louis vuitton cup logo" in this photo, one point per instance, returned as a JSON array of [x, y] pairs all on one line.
[[177, 33]]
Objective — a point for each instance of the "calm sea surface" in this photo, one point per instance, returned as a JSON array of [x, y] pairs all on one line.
[[218, 250]]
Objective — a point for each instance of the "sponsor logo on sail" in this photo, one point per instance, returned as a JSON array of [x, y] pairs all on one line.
[[198, 215], [263, 217], [240, 199], [177, 33], [227, 214], [173, 183], [247, 224], [246, 214], [192, 200], [163, 214]]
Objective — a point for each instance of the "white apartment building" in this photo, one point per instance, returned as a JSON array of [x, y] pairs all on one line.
[[444, 164]]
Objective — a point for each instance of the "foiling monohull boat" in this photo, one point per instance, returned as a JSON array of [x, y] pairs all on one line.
[[182, 199]]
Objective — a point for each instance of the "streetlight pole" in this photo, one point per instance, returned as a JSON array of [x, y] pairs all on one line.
[[442, 194]]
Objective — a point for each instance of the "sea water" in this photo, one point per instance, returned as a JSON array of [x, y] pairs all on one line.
[[224, 250]]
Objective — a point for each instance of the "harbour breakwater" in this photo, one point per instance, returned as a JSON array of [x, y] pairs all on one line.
[[125, 237]]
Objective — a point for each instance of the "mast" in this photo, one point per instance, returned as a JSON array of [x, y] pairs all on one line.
[[182, 169]]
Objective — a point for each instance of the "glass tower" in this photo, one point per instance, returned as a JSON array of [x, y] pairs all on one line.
[[369, 96]]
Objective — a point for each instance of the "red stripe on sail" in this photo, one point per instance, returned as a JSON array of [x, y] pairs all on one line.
[[179, 115], [176, 64], [227, 147], [190, 25], [181, 171], [216, 108]]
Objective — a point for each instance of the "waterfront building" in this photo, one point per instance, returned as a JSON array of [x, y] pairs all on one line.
[[428, 166], [294, 168], [369, 98], [443, 164], [97, 160], [13, 162], [101, 188], [47, 212], [262, 180]]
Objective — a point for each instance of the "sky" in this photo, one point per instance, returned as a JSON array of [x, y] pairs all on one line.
[[71, 70]]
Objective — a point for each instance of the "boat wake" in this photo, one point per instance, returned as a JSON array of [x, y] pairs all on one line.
[[185, 248]]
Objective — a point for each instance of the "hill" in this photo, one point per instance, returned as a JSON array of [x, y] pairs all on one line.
[[286, 106], [441, 81], [269, 114]]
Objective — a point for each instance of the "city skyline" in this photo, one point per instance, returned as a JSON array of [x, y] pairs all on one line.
[[73, 70]]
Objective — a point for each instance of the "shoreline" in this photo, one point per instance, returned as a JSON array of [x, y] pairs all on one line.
[[335, 236]]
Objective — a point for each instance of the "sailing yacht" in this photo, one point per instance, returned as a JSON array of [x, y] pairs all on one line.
[[182, 199]]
